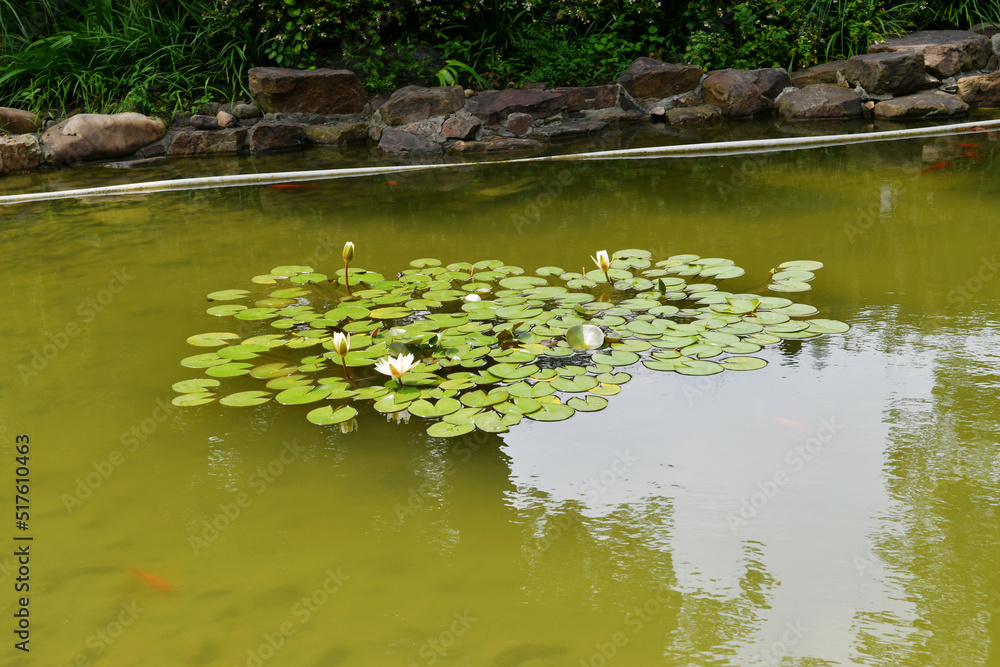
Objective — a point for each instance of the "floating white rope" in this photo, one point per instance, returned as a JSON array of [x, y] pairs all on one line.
[[683, 150]]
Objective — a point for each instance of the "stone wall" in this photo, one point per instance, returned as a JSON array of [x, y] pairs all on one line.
[[924, 74]]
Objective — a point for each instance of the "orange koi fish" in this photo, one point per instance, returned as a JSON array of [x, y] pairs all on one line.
[[974, 156], [958, 143], [153, 580], [936, 165], [391, 183]]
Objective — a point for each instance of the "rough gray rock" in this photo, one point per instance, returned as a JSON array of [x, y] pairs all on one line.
[[397, 142], [99, 137], [921, 105], [266, 136], [337, 133], [741, 93], [648, 79], [820, 100], [493, 106], [569, 128], [19, 153], [321, 91], [243, 111], [579, 98], [413, 103], [206, 142], [946, 52], [200, 122], [887, 72]]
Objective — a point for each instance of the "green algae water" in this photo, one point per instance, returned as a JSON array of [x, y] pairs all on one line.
[[838, 507]]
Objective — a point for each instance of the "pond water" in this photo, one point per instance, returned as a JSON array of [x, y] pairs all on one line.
[[837, 507]]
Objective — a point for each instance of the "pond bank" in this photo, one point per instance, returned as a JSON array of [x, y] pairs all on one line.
[[922, 75]]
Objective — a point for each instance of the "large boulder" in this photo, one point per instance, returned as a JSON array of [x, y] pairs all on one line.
[[889, 72], [18, 121], [921, 105], [701, 113], [946, 52], [981, 91], [493, 106], [267, 136], [648, 79], [820, 100], [99, 136], [461, 127], [320, 91], [823, 73], [397, 142], [19, 153], [413, 103], [579, 98], [205, 142], [740, 93]]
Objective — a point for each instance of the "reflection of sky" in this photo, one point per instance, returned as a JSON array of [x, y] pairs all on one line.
[[714, 446]]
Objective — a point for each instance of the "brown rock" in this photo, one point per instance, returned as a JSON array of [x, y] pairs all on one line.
[[320, 91], [494, 144], [493, 106], [518, 123], [569, 128], [740, 93], [337, 133], [412, 103], [267, 136], [690, 115], [820, 100], [99, 136], [200, 122], [946, 52], [19, 153], [921, 105], [589, 97], [981, 91], [824, 73], [226, 119], [895, 72], [206, 142], [18, 121], [461, 127], [397, 142], [648, 79]]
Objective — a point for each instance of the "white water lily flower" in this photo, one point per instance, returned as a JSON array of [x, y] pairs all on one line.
[[348, 251], [341, 343], [602, 260], [396, 367]]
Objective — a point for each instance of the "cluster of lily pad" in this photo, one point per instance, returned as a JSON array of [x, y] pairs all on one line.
[[484, 345]]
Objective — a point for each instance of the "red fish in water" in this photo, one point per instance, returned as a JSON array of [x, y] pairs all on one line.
[[152, 580], [292, 186], [957, 143], [974, 156], [935, 166], [391, 183]]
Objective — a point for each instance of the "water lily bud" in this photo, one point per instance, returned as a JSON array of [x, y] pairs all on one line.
[[348, 251], [602, 260], [473, 297]]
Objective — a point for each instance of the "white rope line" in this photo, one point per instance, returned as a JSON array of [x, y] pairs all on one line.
[[684, 150]]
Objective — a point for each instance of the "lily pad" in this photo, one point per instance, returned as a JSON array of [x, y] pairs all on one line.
[[245, 398], [195, 386], [213, 339], [588, 404], [328, 415]]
